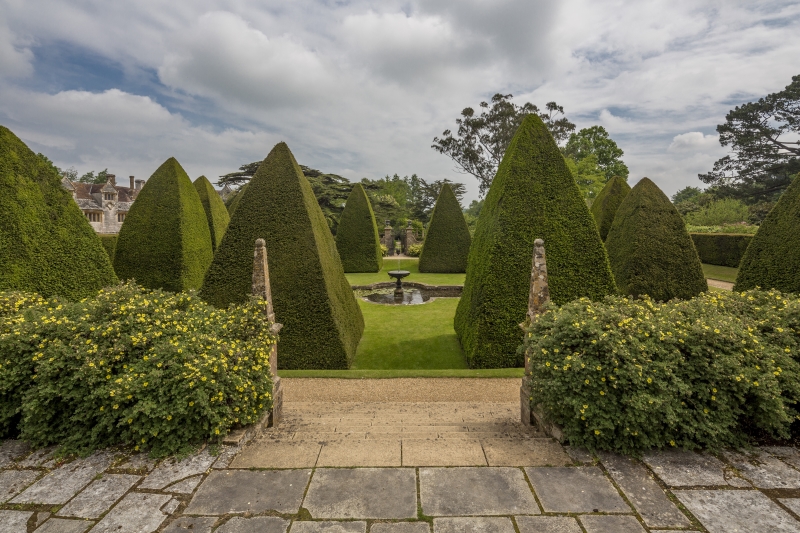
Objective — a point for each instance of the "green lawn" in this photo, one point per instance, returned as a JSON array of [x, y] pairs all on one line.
[[721, 273], [410, 264], [409, 337]]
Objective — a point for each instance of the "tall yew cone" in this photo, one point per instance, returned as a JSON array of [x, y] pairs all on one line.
[[605, 206], [447, 241], [46, 244], [357, 235], [165, 242], [533, 196], [322, 323], [772, 260], [650, 250], [214, 207]]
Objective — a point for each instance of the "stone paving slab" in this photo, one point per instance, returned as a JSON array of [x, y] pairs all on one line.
[[401, 527], [99, 496], [609, 523], [191, 524], [240, 491], [793, 504], [12, 482], [381, 452], [680, 468], [473, 525], [442, 452], [60, 485], [171, 470], [15, 521], [277, 454], [362, 493], [528, 452], [329, 527], [475, 491], [764, 471], [579, 455], [63, 525], [42, 457], [581, 489], [257, 524], [186, 486], [740, 511], [11, 450], [137, 513], [547, 524], [787, 454], [643, 492], [138, 462]]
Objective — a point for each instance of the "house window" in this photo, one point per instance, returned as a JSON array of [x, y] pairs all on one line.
[[94, 217], [108, 196], [121, 217]]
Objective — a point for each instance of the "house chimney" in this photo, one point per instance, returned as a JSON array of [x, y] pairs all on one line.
[[139, 184], [112, 178], [132, 182]]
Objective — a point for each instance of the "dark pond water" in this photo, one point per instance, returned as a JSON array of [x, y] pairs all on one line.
[[410, 297]]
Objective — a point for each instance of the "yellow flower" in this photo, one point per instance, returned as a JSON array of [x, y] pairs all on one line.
[[649, 380], [596, 431], [587, 381], [602, 393]]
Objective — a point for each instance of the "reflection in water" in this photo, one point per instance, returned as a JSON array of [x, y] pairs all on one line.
[[409, 297]]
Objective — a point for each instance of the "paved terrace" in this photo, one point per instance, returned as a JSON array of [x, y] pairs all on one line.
[[375, 461]]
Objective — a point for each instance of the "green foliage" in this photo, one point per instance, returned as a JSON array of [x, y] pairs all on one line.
[[357, 238], [772, 260], [312, 298], [233, 200], [630, 375], [650, 250], [719, 213], [687, 194], [46, 244], [738, 229], [384, 250], [447, 242], [165, 242], [110, 244], [90, 177], [719, 248], [147, 369], [604, 208], [401, 199], [587, 174], [595, 142], [532, 197], [415, 250], [216, 213]]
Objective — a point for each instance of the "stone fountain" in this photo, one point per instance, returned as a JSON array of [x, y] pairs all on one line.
[[398, 275]]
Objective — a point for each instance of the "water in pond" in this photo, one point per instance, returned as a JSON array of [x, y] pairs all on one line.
[[410, 297]]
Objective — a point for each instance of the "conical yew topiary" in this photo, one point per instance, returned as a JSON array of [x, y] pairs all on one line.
[[46, 244], [165, 242], [772, 260], [650, 250], [533, 196], [322, 323], [216, 212], [357, 235], [446, 245], [233, 200], [607, 202]]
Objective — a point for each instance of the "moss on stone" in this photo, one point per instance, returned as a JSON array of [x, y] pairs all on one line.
[[357, 235], [447, 241], [216, 213], [605, 206]]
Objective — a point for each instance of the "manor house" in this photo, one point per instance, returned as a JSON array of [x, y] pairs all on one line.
[[104, 204]]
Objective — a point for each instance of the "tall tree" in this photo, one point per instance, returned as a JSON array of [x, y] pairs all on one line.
[[764, 160], [481, 140], [595, 141]]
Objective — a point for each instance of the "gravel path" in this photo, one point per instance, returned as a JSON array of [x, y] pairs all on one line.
[[720, 284], [402, 390]]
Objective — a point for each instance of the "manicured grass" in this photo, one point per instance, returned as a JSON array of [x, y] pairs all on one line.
[[721, 273], [412, 265], [409, 337], [419, 373]]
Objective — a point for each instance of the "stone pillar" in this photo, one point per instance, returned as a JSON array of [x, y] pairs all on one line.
[[538, 296], [410, 239], [261, 289], [388, 238]]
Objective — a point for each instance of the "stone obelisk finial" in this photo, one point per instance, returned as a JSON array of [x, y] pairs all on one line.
[[261, 289]]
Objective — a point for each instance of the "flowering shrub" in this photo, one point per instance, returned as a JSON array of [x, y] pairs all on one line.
[[414, 250], [149, 369], [629, 375]]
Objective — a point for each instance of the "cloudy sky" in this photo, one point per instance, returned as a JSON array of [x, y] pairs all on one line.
[[361, 88]]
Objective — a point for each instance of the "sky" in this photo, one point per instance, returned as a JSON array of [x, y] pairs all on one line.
[[361, 88]]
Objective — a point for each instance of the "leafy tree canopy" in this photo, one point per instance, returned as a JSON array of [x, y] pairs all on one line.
[[587, 174], [764, 160], [481, 140], [72, 174], [595, 142], [686, 194], [409, 198]]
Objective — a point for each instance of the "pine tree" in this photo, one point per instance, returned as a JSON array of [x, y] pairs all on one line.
[[447, 242]]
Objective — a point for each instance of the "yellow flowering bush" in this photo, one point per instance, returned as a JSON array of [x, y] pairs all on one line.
[[150, 369], [632, 374]]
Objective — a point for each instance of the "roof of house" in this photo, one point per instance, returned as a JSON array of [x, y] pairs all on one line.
[[84, 194]]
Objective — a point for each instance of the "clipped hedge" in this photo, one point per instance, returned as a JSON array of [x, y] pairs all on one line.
[[46, 244], [357, 237], [447, 242], [147, 369], [722, 249], [233, 200], [165, 242], [110, 244], [216, 212], [772, 261], [650, 250], [605, 206], [322, 323], [533, 196], [630, 375]]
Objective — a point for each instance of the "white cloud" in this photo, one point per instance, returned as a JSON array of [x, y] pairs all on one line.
[[694, 141], [15, 60]]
